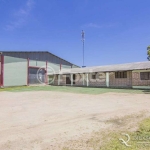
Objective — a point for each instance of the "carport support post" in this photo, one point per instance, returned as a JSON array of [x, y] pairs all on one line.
[[87, 79], [107, 79], [83, 78], [46, 73], [71, 79], [59, 79], [28, 72]]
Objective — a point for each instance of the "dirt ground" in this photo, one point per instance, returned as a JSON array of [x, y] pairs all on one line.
[[46, 120]]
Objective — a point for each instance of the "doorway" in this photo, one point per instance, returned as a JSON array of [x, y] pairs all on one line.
[[68, 79], [74, 77]]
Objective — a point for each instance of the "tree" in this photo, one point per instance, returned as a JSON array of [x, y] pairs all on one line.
[[148, 52]]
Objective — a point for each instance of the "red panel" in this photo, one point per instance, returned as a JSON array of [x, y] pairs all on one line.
[[28, 71], [2, 70]]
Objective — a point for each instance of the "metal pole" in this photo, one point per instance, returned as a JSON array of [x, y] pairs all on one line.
[[83, 52], [83, 45]]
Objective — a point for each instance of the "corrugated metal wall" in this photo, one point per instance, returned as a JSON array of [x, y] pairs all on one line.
[[55, 67], [15, 71], [37, 63], [66, 67]]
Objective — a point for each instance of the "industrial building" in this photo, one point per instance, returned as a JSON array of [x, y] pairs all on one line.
[[27, 68], [20, 68]]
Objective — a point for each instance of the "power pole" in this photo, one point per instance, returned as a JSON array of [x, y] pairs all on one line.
[[82, 35]]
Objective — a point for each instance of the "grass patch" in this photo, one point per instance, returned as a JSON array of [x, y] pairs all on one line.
[[112, 140], [145, 125], [83, 90], [142, 134], [139, 140]]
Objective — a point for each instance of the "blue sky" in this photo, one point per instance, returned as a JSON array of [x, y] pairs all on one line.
[[116, 31]]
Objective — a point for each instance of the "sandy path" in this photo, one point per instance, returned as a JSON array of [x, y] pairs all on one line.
[[43, 120]]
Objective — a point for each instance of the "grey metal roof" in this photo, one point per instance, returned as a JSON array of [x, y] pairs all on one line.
[[110, 68], [38, 55]]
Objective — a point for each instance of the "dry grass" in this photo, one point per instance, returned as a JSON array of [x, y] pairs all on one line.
[[134, 125]]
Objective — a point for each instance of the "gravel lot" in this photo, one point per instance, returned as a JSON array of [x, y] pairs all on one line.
[[45, 120]]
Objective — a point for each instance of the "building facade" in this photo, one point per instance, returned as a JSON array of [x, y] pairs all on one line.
[[21, 68], [131, 75], [27, 68]]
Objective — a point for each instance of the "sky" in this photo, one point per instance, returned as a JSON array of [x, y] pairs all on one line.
[[116, 31]]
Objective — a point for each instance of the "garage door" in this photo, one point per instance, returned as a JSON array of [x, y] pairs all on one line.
[[36, 76]]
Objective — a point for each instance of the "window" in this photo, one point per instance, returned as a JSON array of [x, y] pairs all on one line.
[[145, 75], [121, 74], [93, 76]]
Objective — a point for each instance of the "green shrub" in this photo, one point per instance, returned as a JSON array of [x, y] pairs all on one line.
[[145, 125]]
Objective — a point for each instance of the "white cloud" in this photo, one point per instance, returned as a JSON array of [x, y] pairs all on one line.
[[94, 25], [30, 4], [21, 16]]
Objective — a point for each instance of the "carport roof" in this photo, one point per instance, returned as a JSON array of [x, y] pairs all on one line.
[[110, 68]]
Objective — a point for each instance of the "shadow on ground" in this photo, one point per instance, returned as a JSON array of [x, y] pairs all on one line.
[[146, 91]]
